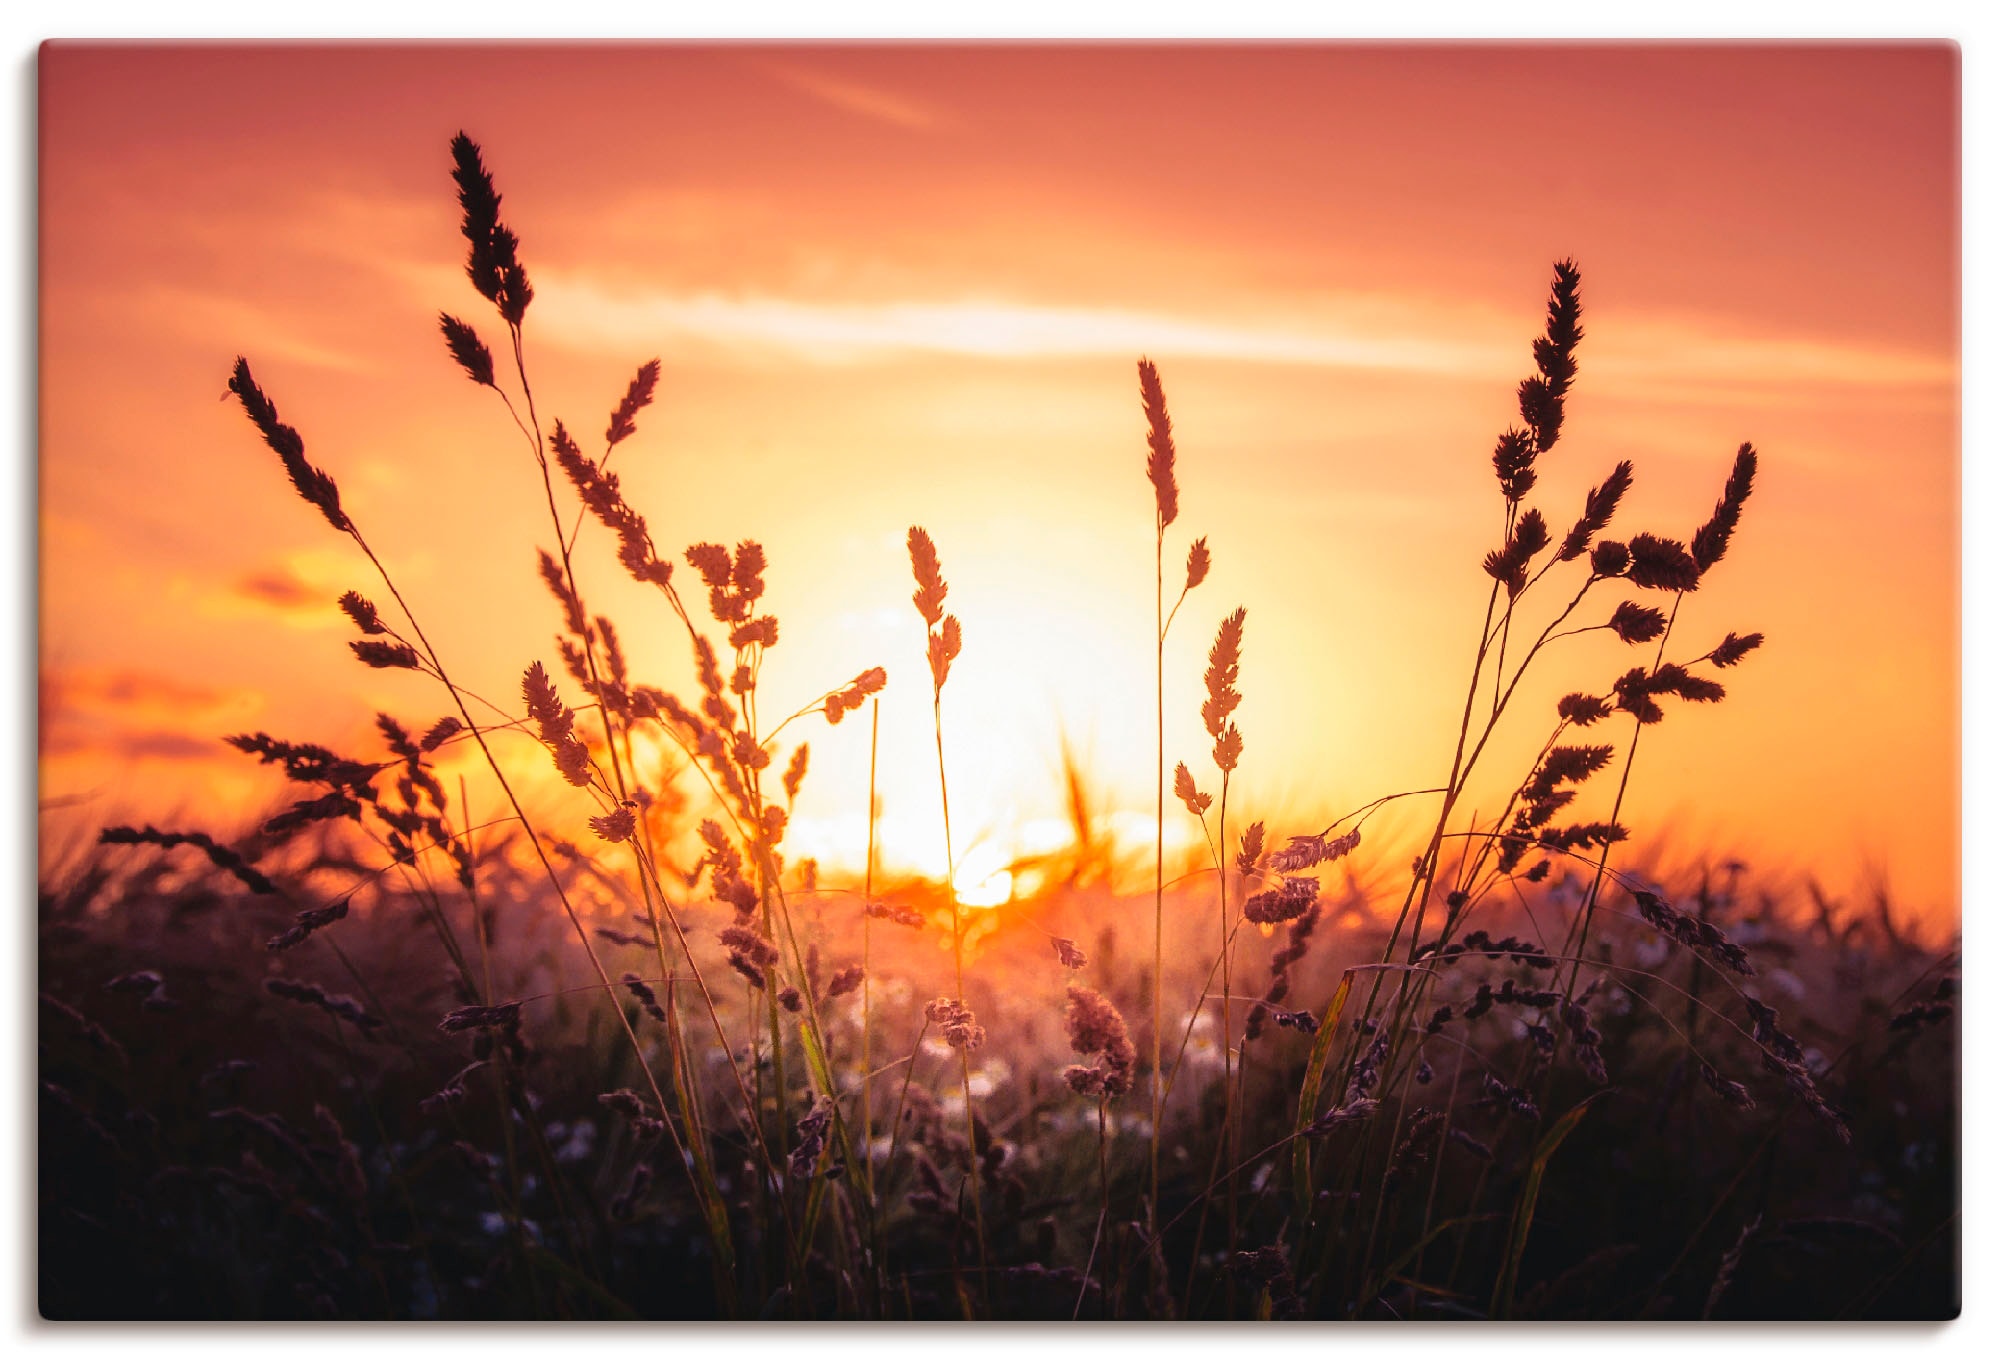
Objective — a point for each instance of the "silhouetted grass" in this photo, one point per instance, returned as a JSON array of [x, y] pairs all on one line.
[[369, 1060]]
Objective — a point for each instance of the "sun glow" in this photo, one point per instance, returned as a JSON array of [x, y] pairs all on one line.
[[983, 878], [956, 350]]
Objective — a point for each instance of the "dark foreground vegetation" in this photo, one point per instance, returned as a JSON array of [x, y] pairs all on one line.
[[212, 1148]]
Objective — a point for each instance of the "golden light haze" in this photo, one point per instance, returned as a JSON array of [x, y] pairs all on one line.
[[908, 285]]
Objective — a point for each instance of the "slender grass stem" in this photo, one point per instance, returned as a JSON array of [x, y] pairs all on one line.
[[958, 981], [867, 958], [1159, 856]]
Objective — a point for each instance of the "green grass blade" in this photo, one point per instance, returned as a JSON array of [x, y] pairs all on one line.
[[1502, 1305], [714, 1211], [1329, 1024]]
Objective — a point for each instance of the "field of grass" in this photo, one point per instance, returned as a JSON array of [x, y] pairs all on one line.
[[365, 1060]]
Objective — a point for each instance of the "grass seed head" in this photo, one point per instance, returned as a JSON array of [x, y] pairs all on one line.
[[1661, 564], [362, 614], [1224, 659], [313, 485], [931, 586], [638, 396], [1598, 507], [493, 260], [1734, 648], [1197, 563], [1159, 446], [467, 349], [1095, 1028], [1196, 801], [1711, 540]]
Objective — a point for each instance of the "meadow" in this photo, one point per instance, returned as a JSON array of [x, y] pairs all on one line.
[[1475, 1049]]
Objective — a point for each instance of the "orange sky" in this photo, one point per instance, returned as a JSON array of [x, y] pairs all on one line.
[[902, 285]]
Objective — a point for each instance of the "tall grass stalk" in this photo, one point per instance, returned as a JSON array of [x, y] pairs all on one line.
[[944, 640], [1166, 508], [319, 489], [868, 960]]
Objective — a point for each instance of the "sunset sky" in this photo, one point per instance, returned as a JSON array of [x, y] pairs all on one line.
[[908, 285]]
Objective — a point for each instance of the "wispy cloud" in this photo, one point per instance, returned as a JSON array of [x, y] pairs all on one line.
[[1642, 355], [587, 315], [867, 101], [1639, 356], [1677, 351]]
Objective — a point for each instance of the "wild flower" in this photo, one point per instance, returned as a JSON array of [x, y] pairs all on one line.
[[962, 1029], [1095, 1028]]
